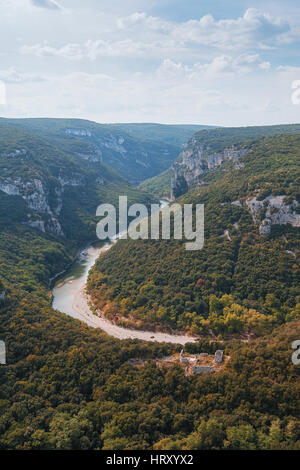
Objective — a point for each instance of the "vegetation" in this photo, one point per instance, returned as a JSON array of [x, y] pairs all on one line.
[[136, 152], [216, 140], [175, 134], [228, 287], [60, 182], [68, 386], [158, 185]]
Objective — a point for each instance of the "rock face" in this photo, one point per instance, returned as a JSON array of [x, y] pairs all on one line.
[[219, 356], [2, 296], [17, 153], [79, 132], [94, 155], [36, 195], [115, 144], [196, 160], [42, 214], [273, 210]]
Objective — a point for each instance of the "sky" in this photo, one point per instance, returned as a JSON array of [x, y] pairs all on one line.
[[232, 63]]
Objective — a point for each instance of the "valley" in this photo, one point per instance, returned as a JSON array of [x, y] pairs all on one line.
[[69, 297], [76, 377]]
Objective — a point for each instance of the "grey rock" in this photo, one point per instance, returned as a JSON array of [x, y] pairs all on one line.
[[197, 160], [78, 132]]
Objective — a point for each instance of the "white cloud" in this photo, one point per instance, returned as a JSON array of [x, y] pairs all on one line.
[[253, 29], [124, 48], [220, 66], [68, 51], [145, 68], [140, 35], [13, 76], [265, 65], [92, 49], [143, 20], [17, 5], [50, 4]]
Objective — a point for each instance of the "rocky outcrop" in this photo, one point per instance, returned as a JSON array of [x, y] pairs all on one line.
[[115, 144], [17, 153], [92, 156], [140, 162], [36, 194], [272, 210], [99, 181], [197, 160], [36, 223], [9, 188], [70, 181], [78, 132]]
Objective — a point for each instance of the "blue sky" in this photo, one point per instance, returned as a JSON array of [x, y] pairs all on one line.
[[227, 63]]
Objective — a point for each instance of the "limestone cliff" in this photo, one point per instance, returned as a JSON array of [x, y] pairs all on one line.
[[36, 194], [44, 199], [273, 210], [198, 159]]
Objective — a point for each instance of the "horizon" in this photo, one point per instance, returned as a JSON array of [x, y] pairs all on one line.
[[212, 126]]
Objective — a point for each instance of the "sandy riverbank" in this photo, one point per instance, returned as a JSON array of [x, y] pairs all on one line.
[[84, 313]]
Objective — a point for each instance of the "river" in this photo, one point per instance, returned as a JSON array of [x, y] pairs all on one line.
[[69, 297]]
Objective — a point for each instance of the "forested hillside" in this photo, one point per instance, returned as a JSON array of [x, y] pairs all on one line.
[[246, 278], [48, 201], [135, 151], [68, 386], [207, 150], [175, 134]]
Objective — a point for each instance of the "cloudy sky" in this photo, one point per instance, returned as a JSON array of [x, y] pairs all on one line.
[[171, 61]]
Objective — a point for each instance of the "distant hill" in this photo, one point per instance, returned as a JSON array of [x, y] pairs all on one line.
[[206, 150], [135, 151], [48, 201], [175, 134]]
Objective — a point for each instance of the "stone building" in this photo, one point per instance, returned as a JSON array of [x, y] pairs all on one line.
[[202, 370], [219, 356], [183, 360]]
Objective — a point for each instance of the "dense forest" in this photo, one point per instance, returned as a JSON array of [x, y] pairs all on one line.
[[68, 386], [230, 286]]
